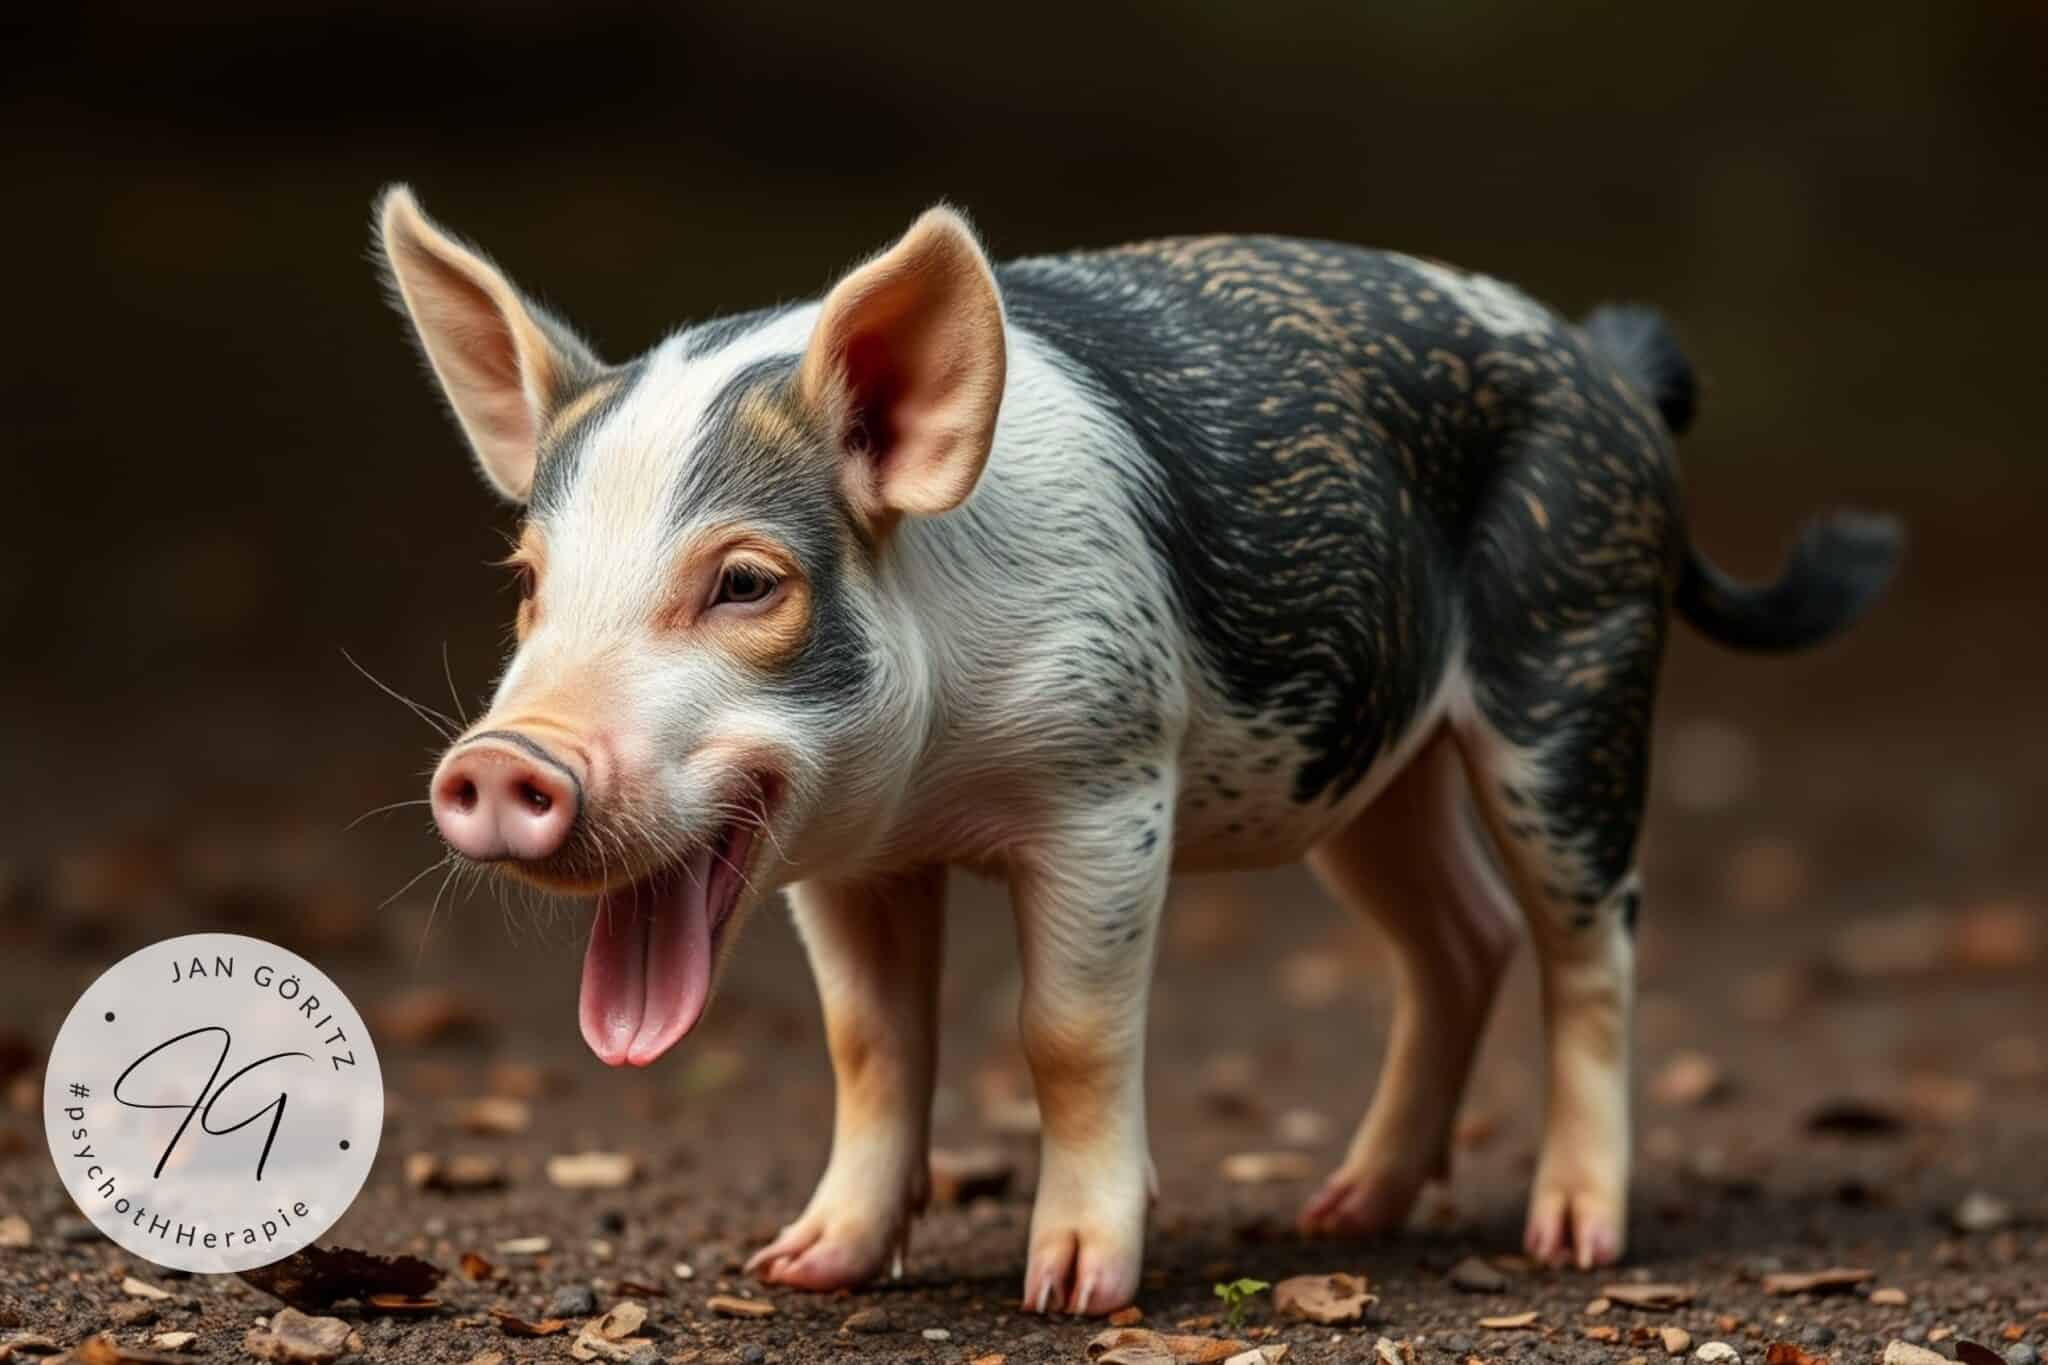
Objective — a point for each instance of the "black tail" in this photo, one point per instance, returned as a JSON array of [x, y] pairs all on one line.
[[1837, 568]]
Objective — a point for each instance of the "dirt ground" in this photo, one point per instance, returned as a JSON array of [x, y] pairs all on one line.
[[1843, 1045]]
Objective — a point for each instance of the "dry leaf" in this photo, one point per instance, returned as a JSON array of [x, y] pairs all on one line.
[[1142, 1346], [1651, 1297], [1387, 1351], [1260, 1168], [1888, 1298], [727, 1305], [1785, 1353], [1129, 1316], [512, 1325], [401, 1304], [1510, 1322], [1834, 1280], [1603, 1332], [476, 1269], [322, 1275], [494, 1116], [1332, 1298], [592, 1171], [456, 1174], [104, 1350], [173, 1341], [141, 1289], [978, 1173]]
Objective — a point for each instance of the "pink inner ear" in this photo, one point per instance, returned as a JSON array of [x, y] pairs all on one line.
[[875, 383]]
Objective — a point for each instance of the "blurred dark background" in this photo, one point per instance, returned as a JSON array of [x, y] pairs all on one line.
[[225, 467]]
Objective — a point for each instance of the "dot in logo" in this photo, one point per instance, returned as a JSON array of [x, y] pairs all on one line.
[[198, 1126]]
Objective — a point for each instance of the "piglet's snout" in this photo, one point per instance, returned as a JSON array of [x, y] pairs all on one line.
[[504, 795]]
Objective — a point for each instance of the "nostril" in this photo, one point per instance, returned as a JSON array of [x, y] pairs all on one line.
[[465, 796], [537, 801]]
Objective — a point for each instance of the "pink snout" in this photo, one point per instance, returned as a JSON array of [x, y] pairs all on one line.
[[502, 795]]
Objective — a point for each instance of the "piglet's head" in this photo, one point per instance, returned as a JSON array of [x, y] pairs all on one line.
[[714, 684]]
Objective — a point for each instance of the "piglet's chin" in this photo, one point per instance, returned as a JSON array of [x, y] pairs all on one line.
[[647, 972]]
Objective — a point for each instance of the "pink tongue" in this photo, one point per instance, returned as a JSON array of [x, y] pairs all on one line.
[[648, 967]]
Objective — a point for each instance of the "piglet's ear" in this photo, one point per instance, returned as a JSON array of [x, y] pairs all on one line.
[[503, 364], [907, 361]]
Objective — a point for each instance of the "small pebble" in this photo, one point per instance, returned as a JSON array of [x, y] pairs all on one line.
[[1713, 1351], [611, 1221], [132, 1314], [751, 1352], [2022, 1353], [572, 1301], [1820, 1334], [868, 1320], [937, 1334], [1915, 1334]]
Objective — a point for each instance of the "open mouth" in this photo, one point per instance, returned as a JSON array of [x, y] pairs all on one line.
[[653, 944]]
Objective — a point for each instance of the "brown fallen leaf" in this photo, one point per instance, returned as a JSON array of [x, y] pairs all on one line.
[[1129, 1316], [1510, 1322], [731, 1306], [638, 1290], [104, 1350], [1261, 1168], [1834, 1280], [477, 1270], [465, 1172], [1602, 1332], [1785, 1353], [592, 1171], [493, 1116], [960, 1176], [1688, 1080], [1887, 1298], [1976, 1353], [1331, 1298], [1142, 1346], [1651, 1297], [319, 1276], [512, 1325], [401, 1304]]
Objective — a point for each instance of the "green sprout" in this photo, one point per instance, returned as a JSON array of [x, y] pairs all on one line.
[[1237, 1296]]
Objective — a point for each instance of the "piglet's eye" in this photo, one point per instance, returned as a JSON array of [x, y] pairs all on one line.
[[742, 583]]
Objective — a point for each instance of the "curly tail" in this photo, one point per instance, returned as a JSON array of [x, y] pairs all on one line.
[[1838, 566]]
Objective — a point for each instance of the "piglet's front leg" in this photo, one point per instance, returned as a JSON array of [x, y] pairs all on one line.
[[875, 950], [1087, 917]]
